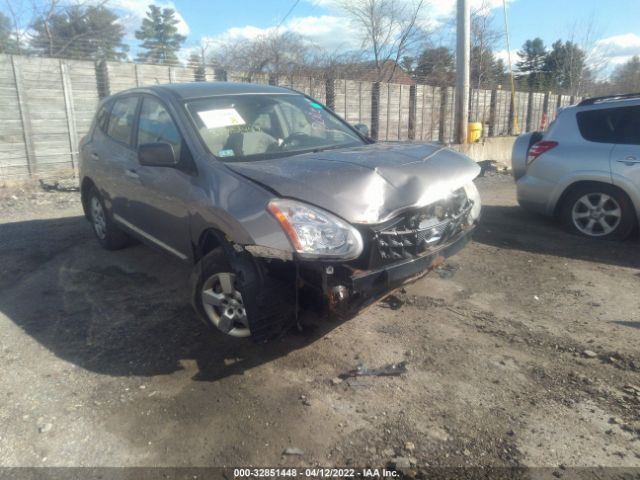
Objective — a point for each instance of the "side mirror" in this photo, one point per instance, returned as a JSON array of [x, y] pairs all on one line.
[[159, 154], [362, 128]]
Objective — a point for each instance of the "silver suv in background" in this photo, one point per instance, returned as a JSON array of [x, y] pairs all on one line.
[[585, 168]]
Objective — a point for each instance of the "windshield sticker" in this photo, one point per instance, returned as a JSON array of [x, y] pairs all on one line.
[[316, 105], [226, 153], [317, 120], [225, 117]]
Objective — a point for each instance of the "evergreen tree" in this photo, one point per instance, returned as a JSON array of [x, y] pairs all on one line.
[[81, 33], [435, 67], [7, 43], [626, 77], [565, 67], [159, 35], [532, 63]]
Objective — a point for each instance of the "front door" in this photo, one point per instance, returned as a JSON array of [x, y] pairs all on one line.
[[159, 207]]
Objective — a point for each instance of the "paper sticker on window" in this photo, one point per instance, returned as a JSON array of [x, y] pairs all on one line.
[[225, 117], [226, 153]]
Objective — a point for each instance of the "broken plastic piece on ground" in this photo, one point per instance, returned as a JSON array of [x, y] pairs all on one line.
[[392, 302], [445, 271], [389, 370]]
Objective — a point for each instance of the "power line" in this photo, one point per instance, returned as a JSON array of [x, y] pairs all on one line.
[[295, 4]]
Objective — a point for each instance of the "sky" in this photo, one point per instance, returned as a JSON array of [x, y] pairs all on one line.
[[612, 24]]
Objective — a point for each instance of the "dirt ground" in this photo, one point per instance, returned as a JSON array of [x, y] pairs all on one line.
[[523, 350]]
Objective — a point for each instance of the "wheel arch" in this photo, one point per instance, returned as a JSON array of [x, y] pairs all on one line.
[[85, 187], [584, 183]]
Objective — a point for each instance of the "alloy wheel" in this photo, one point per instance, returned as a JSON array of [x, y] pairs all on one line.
[[596, 214], [98, 217], [223, 305]]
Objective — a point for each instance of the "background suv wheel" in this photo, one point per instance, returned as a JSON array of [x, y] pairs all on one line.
[[598, 211]]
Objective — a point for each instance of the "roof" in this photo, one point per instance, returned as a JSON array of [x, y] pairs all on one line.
[[193, 90], [390, 72]]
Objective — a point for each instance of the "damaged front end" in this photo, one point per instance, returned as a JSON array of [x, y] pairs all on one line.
[[397, 252], [392, 253]]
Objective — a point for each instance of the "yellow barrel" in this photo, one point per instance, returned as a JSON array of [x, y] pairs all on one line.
[[474, 132]]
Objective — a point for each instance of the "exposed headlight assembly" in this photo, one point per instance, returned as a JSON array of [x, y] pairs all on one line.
[[314, 233], [474, 196]]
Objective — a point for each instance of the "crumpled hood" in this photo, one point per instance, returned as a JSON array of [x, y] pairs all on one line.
[[368, 184]]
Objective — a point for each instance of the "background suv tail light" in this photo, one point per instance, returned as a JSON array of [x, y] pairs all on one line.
[[539, 148]]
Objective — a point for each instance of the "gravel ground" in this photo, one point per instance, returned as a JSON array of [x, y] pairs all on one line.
[[522, 350]]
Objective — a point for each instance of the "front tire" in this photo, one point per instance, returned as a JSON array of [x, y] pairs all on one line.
[[217, 296], [598, 211], [108, 234]]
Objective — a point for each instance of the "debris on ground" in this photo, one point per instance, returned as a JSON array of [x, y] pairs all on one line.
[[445, 271], [292, 451], [389, 370], [66, 185], [589, 354], [392, 302]]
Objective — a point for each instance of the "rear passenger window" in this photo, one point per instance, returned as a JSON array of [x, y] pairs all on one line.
[[102, 119], [156, 125], [121, 119], [611, 125]]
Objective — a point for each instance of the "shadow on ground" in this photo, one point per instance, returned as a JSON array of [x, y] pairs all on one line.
[[513, 228], [127, 312], [123, 313]]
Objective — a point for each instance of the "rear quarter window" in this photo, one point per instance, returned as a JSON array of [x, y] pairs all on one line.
[[610, 125]]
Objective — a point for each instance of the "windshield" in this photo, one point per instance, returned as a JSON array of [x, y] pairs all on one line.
[[241, 128]]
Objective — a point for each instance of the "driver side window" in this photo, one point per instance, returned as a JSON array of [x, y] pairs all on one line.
[[156, 125]]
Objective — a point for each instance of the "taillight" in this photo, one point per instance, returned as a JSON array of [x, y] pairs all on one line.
[[539, 148]]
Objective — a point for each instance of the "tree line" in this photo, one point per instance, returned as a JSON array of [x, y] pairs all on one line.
[[395, 37]]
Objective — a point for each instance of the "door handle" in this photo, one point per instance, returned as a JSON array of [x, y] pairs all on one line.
[[95, 156], [132, 174], [629, 160]]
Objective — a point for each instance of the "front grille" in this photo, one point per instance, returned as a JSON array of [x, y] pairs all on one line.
[[417, 231]]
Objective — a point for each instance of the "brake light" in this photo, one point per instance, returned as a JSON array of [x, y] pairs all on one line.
[[539, 148]]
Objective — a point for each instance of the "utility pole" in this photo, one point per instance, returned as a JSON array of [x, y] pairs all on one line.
[[463, 48]]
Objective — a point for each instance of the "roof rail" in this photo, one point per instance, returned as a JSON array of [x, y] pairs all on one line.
[[592, 100]]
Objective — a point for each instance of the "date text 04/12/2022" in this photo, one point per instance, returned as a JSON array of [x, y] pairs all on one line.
[[315, 472]]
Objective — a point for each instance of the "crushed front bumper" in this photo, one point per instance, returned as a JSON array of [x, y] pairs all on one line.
[[381, 280]]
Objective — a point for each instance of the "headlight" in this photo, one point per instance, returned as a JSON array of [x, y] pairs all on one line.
[[315, 233], [473, 195]]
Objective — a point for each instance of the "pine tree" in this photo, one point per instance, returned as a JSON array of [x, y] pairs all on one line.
[[531, 67], [7, 43], [81, 33], [159, 35]]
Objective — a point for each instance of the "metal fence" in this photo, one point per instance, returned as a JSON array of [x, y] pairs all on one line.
[[46, 106]]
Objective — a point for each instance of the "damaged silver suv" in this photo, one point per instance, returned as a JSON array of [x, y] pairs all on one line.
[[273, 197]]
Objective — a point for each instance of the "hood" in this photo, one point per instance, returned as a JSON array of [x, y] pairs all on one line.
[[368, 184]]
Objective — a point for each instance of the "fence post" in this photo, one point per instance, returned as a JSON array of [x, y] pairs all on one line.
[[375, 109], [413, 91], [545, 111], [529, 117], [330, 93], [444, 92], [71, 115], [102, 79], [512, 114], [25, 118], [137, 74], [493, 102]]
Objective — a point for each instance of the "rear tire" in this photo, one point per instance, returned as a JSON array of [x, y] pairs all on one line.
[[598, 211], [108, 234]]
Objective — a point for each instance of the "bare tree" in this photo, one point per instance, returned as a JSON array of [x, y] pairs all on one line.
[[389, 29], [484, 38], [273, 52]]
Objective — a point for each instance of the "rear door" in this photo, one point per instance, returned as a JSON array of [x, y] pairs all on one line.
[[159, 207], [625, 157], [116, 153]]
